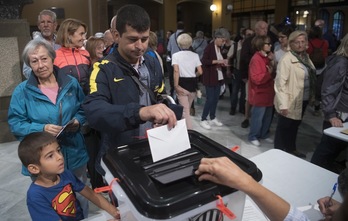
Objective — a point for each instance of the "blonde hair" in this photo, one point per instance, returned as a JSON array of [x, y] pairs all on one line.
[[68, 27], [342, 49], [153, 40], [294, 35], [184, 41], [91, 44]]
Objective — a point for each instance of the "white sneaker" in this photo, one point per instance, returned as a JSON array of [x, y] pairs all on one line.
[[255, 143], [216, 122], [205, 124], [269, 140]]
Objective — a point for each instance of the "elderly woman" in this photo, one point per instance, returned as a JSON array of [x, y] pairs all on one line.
[[295, 88], [213, 77], [72, 58], [334, 93], [46, 102], [95, 47], [185, 63], [261, 92]]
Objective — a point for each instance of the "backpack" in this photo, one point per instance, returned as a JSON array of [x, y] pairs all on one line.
[[317, 56]]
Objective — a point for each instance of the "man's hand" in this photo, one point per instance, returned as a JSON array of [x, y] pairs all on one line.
[[335, 122], [328, 210], [158, 114]]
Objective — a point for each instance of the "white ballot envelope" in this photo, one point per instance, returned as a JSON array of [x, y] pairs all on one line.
[[165, 143]]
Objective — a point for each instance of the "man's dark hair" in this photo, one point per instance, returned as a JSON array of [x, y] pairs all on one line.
[[30, 148], [287, 30], [315, 32], [134, 16], [180, 25]]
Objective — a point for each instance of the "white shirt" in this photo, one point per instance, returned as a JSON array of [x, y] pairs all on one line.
[[187, 61]]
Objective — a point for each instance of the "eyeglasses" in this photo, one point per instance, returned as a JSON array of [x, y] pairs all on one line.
[[268, 43]]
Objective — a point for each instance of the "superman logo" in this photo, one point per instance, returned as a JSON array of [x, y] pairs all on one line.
[[64, 202]]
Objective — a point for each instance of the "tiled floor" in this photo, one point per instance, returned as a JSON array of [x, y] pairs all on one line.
[[13, 185]]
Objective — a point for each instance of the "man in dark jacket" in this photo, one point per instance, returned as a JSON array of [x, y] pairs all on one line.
[[261, 28], [119, 105]]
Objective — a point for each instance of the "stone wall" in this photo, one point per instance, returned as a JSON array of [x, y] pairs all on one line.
[[14, 36]]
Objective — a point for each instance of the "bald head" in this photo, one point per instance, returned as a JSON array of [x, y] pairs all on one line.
[[261, 28], [113, 29], [320, 23], [108, 38]]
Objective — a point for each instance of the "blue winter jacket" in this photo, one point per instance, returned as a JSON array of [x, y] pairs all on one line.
[[30, 110]]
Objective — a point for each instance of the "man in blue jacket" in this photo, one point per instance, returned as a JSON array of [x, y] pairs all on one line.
[[122, 86]]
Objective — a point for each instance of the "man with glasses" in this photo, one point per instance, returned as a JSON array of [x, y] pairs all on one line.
[[47, 24]]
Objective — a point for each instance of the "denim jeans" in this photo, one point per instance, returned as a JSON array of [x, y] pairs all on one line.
[[261, 119], [212, 98]]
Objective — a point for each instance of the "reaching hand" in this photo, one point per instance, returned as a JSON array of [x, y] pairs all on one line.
[[222, 171]]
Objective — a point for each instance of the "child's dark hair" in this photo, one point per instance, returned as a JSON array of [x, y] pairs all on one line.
[[29, 149]]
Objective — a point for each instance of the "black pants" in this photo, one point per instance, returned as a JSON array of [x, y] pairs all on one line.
[[170, 71], [92, 140], [328, 150], [286, 132]]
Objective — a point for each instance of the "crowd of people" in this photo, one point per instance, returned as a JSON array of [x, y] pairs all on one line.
[[84, 95]]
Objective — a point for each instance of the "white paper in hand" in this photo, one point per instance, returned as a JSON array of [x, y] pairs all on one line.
[[165, 143]]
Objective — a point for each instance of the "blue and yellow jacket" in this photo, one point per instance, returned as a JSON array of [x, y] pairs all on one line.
[[112, 107]]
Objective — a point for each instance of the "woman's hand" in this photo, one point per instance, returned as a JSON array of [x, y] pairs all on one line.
[[269, 68], [284, 112], [52, 129], [336, 122], [180, 91]]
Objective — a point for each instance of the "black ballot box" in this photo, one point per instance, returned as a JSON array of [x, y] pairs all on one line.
[[169, 189]]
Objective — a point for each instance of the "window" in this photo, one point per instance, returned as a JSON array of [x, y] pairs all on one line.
[[337, 24], [325, 15]]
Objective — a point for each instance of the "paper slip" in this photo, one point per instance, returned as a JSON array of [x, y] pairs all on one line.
[[65, 126], [345, 131], [252, 212], [165, 143], [312, 212]]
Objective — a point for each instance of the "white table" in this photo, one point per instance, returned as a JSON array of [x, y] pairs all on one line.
[[295, 180], [336, 132], [299, 182]]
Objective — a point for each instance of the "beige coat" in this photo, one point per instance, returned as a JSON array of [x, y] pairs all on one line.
[[288, 86]]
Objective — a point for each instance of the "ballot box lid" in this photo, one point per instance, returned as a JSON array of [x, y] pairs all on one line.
[[167, 188]]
